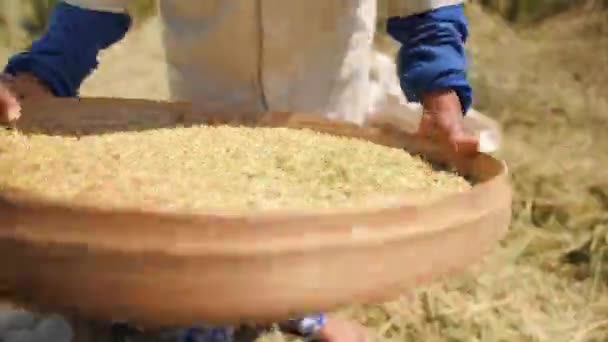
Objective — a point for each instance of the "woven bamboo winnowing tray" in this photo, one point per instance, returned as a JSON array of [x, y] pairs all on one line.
[[169, 269]]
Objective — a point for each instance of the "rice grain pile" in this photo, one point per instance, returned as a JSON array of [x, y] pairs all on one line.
[[206, 168]]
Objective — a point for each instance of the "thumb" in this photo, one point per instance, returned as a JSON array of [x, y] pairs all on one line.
[[465, 144]]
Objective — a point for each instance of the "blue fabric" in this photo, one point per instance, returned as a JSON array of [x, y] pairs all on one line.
[[432, 55], [67, 53]]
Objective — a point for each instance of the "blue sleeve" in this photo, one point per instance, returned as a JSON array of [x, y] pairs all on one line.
[[432, 55], [67, 53]]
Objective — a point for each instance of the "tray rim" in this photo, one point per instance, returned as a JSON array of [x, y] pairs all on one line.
[[16, 205]]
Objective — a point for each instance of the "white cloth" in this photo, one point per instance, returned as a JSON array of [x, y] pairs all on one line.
[[257, 55]]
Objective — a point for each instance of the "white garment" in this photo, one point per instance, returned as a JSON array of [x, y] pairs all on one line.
[[278, 55]]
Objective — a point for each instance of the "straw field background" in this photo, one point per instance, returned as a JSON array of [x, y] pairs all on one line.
[[541, 69]]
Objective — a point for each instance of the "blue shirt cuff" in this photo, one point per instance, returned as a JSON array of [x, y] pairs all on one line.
[[67, 53], [432, 55]]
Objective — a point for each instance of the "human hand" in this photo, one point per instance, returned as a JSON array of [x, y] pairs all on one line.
[[16, 88], [442, 121]]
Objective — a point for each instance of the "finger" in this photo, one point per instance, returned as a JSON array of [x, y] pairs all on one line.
[[466, 144], [426, 128]]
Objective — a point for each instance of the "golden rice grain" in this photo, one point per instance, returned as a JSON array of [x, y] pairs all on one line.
[[207, 168]]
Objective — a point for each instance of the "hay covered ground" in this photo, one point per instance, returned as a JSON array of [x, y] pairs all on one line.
[[547, 86]]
